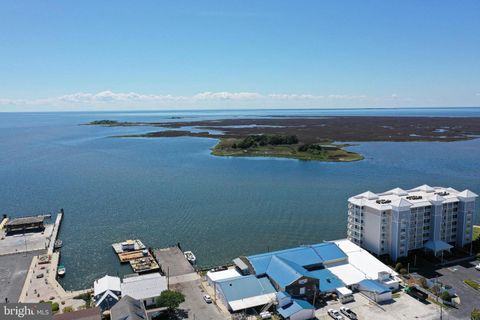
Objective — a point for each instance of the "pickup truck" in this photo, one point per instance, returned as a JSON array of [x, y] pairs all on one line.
[[348, 313]]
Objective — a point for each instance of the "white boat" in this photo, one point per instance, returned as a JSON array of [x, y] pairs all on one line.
[[61, 270], [190, 256]]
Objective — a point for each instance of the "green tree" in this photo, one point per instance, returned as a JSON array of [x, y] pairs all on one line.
[[170, 299], [446, 296], [398, 266], [475, 315]]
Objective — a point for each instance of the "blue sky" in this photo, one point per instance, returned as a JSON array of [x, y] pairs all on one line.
[[84, 55]]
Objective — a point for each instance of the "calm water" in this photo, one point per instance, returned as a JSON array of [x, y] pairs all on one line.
[[172, 190]]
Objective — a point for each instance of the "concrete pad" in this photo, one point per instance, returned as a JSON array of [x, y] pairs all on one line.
[[29, 242], [173, 261]]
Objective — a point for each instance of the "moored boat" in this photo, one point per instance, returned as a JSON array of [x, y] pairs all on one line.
[[190, 256], [61, 270], [58, 244]]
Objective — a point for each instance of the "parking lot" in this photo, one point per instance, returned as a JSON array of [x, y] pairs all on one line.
[[469, 297], [403, 307], [13, 271]]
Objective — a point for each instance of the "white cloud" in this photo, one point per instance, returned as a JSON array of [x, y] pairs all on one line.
[[108, 100]]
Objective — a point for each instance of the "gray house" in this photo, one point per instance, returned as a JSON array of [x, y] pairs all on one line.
[[128, 309]]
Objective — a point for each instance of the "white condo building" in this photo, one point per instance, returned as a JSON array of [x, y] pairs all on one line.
[[397, 221]]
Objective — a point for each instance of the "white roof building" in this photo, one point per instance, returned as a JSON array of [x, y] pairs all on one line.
[[106, 283], [145, 287], [216, 276], [420, 196], [398, 221]]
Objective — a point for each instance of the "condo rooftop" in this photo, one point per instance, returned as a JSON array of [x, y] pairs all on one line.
[[421, 196]]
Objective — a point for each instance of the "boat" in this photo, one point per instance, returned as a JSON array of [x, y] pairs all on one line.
[[58, 244], [190, 256], [61, 270]]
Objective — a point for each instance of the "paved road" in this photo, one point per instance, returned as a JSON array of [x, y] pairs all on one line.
[[470, 298], [194, 306], [13, 271]]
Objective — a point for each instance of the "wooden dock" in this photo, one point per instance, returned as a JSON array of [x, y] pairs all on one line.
[[144, 265], [132, 255]]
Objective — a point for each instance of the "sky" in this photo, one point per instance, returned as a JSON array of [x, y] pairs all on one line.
[[120, 55]]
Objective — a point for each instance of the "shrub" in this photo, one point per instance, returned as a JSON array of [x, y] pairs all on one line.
[[403, 271], [67, 309], [475, 315], [398, 266], [55, 307], [446, 296]]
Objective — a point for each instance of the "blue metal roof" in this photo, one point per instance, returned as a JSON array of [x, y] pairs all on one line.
[[245, 287], [437, 245], [329, 252], [285, 272], [294, 307], [327, 280], [303, 256], [373, 286]]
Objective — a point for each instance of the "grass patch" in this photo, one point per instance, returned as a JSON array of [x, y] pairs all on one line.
[[474, 284]]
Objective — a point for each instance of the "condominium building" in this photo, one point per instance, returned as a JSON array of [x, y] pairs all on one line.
[[397, 221]]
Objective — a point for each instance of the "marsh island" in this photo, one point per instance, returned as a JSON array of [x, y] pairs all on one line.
[[310, 138]]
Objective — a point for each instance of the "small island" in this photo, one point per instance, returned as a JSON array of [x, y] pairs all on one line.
[[282, 147], [309, 138], [104, 123]]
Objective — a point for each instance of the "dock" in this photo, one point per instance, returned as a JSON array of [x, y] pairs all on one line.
[[135, 245], [41, 281], [173, 262], [134, 252], [132, 255], [144, 265], [56, 228]]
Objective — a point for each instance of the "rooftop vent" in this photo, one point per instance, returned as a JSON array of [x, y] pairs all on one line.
[[383, 201], [414, 197]]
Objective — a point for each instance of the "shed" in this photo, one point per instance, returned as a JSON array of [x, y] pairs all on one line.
[[375, 290], [25, 224], [297, 310]]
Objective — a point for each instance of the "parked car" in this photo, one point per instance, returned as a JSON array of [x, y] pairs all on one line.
[[477, 267], [265, 315], [335, 314], [207, 298], [349, 313]]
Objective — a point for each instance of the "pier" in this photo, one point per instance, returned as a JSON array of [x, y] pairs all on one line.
[[56, 228], [41, 281]]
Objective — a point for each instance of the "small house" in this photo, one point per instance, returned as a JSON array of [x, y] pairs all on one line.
[[107, 292]]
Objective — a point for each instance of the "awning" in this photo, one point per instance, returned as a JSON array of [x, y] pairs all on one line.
[[437, 246]]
